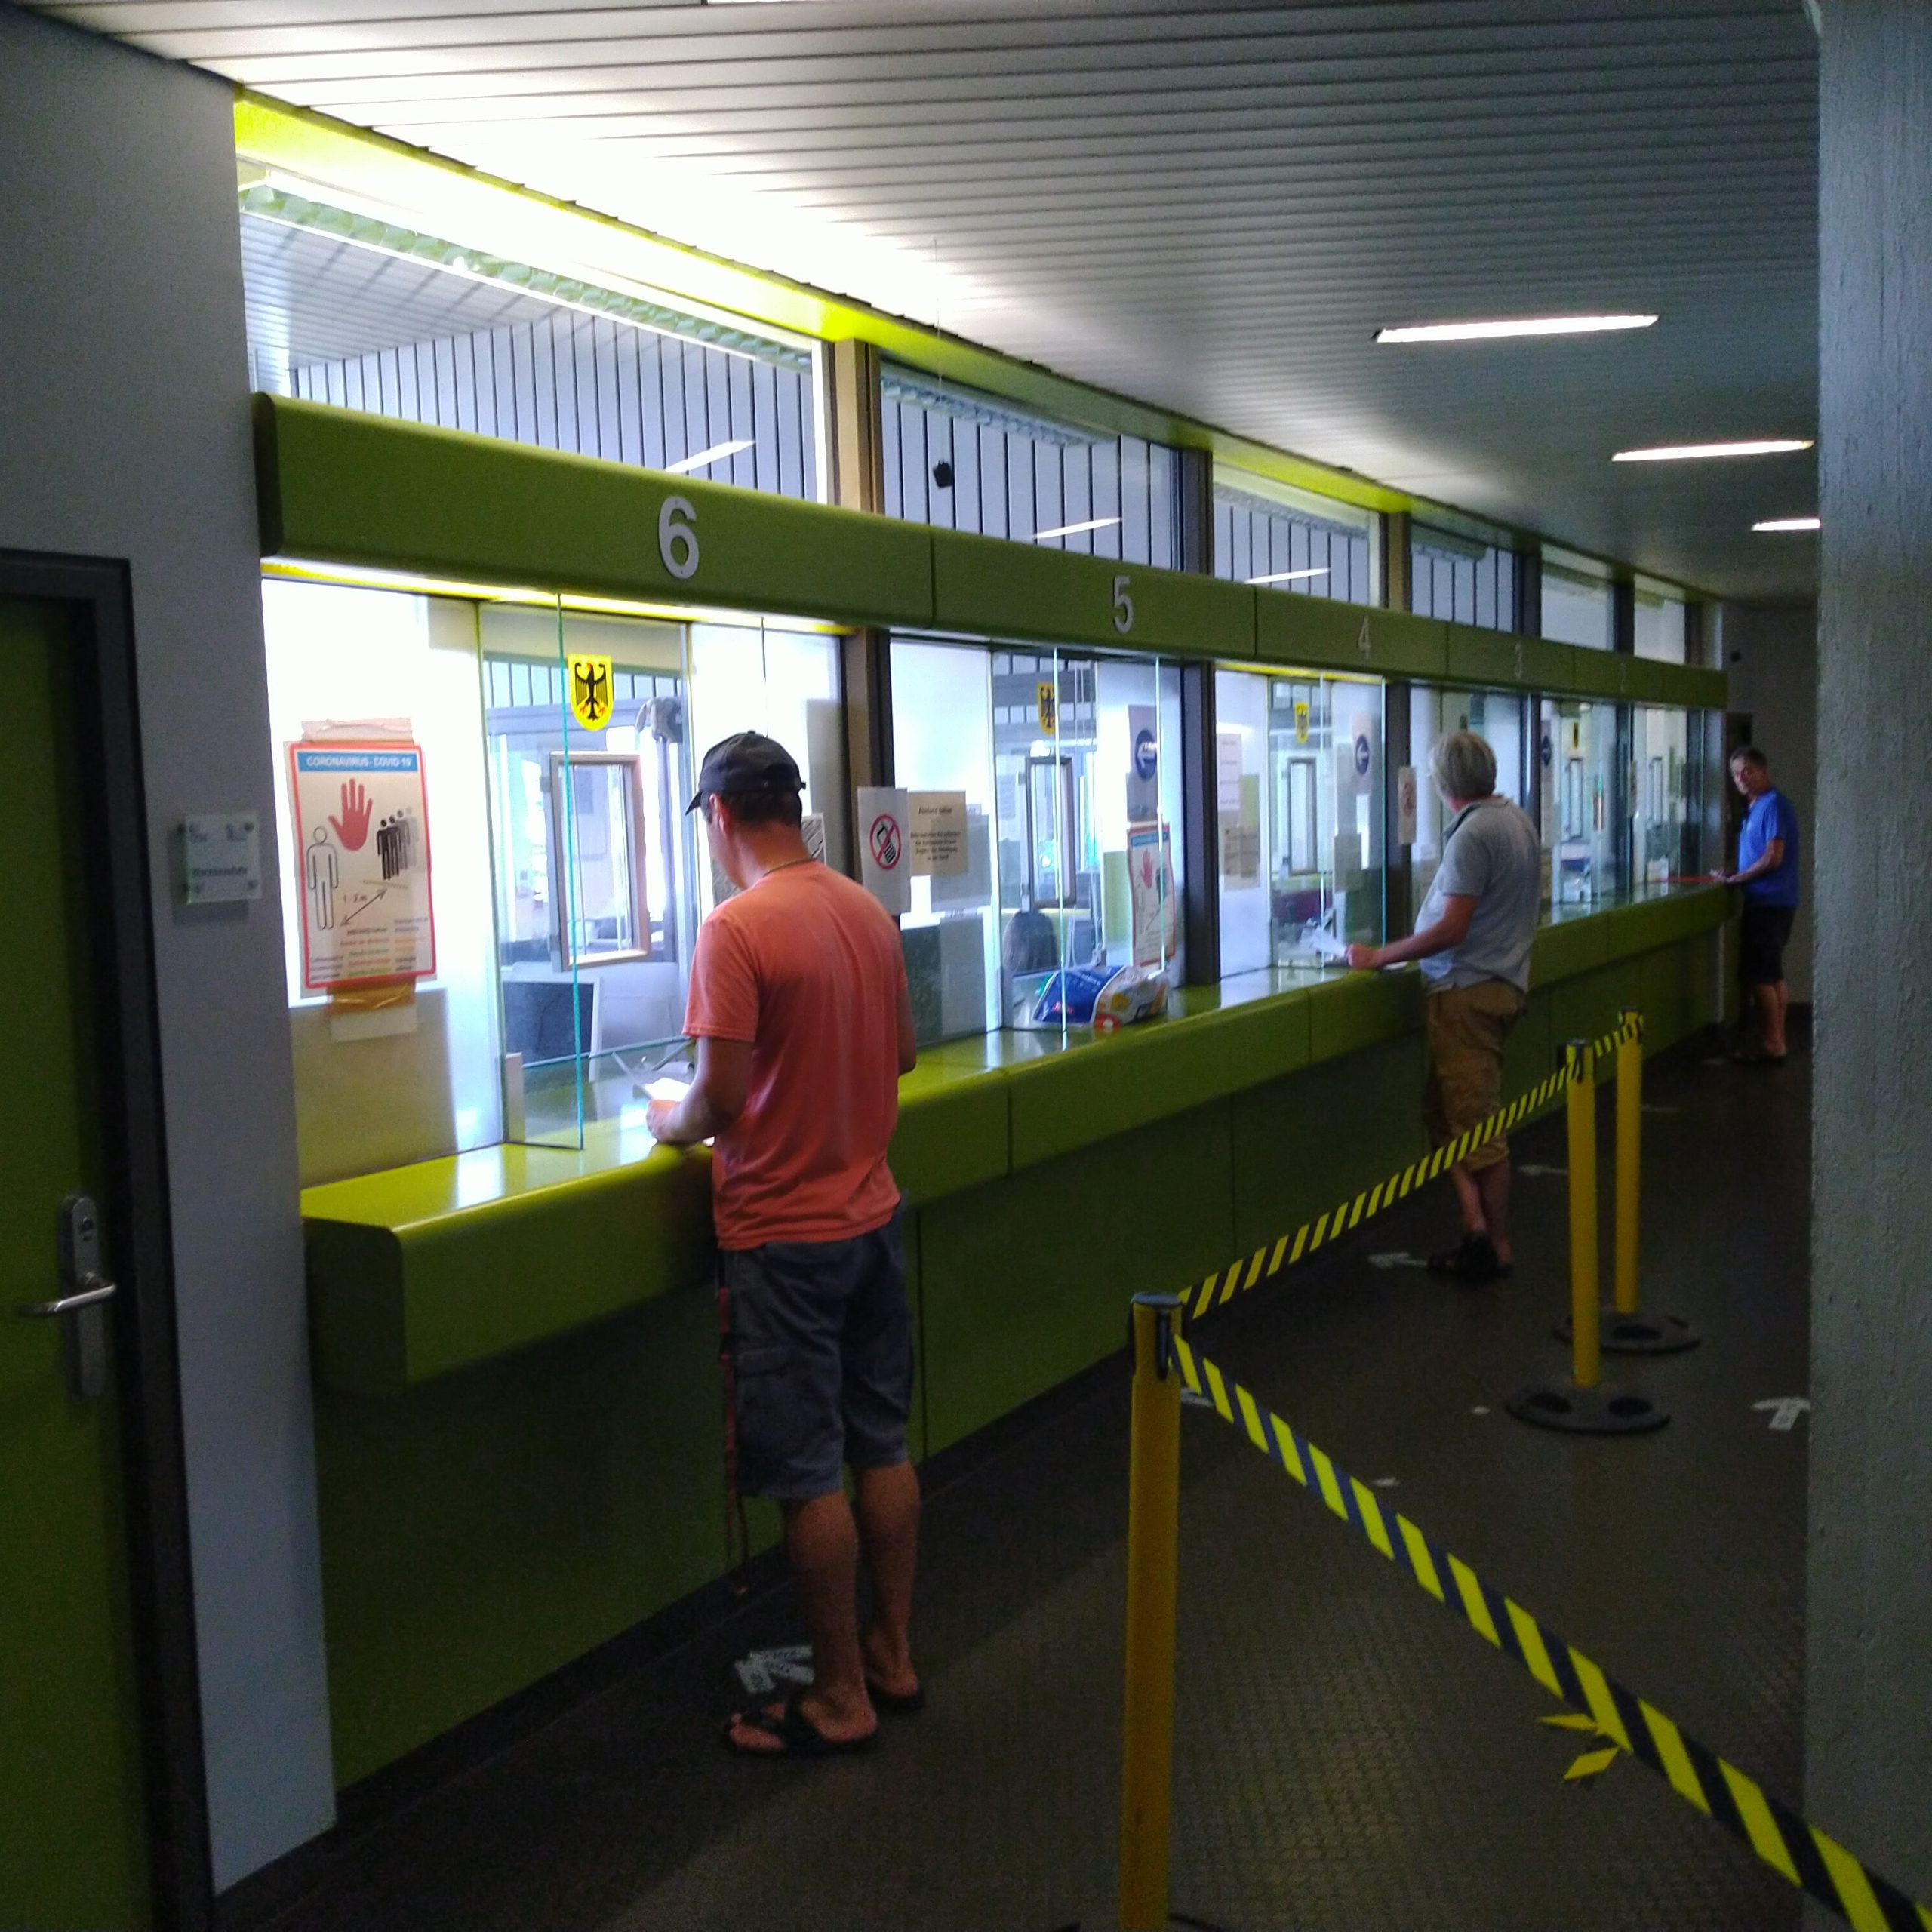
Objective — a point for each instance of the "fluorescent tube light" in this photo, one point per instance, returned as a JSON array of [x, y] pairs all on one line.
[[1784, 523], [1692, 452], [1287, 577], [1527, 325], [1076, 529], [705, 459]]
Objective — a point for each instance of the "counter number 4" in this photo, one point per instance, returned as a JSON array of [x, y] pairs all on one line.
[[1123, 605], [677, 537]]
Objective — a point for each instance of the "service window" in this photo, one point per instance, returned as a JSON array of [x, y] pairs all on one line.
[[1666, 796], [1501, 720], [1583, 846], [1299, 789]]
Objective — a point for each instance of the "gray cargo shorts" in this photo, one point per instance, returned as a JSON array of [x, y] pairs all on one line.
[[819, 1340]]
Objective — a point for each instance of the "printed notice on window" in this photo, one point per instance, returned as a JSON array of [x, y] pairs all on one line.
[[362, 822], [938, 833]]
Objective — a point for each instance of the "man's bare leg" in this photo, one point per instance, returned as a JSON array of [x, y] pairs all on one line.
[[888, 1512], [1492, 1184], [1468, 1198], [1774, 1040], [822, 1542], [1770, 1019]]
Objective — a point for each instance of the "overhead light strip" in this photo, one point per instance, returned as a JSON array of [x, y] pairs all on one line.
[[1287, 577], [1511, 328], [1778, 525], [705, 459], [1697, 452]]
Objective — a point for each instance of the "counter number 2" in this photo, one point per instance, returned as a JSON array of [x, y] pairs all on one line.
[[677, 537], [1123, 605]]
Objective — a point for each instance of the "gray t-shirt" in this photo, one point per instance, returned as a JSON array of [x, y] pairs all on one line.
[[1493, 855]]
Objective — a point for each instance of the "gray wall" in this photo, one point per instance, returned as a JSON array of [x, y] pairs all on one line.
[[125, 433], [1773, 665], [1869, 1726]]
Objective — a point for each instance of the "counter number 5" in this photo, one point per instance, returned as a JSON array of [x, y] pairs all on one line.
[[677, 537], [1123, 605]]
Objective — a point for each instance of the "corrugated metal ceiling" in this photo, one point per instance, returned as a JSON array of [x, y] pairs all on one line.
[[1210, 207]]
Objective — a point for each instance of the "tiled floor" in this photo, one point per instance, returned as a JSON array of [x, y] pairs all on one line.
[[1348, 1756]]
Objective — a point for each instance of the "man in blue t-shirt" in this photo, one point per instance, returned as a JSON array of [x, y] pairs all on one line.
[[1767, 870]]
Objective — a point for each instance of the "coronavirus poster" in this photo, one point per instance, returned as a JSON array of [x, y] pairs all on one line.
[[361, 820]]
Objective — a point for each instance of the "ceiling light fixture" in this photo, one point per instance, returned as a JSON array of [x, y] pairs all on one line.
[[705, 459], [1287, 577], [1527, 325], [1692, 452], [1076, 529], [1777, 524]]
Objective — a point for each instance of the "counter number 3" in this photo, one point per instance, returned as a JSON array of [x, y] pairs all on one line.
[[1123, 605], [677, 537]]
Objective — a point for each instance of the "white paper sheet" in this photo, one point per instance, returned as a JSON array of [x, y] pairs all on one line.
[[1324, 944]]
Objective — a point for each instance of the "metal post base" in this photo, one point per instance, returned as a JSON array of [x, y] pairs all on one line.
[[1601, 1411], [1642, 1334]]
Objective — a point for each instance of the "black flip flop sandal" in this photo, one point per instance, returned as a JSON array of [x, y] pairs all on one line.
[[797, 1736]]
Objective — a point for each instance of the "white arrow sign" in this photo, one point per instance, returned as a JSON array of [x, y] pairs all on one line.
[[1786, 1410], [763, 1671], [1400, 1259], [1536, 1173]]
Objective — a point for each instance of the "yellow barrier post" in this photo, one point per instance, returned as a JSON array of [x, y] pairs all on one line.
[[1153, 1527], [1629, 1157], [1583, 1406], [1581, 1108]]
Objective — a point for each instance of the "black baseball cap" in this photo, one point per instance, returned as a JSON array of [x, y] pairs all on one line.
[[745, 761]]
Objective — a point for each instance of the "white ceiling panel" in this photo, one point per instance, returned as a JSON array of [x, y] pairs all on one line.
[[1210, 207]]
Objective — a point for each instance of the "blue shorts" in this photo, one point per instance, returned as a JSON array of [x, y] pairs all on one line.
[[821, 1344]]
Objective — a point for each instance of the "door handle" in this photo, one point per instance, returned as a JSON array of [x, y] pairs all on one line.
[[80, 1312], [90, 1291]]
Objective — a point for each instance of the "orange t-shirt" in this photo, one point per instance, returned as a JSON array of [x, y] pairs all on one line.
[[805, 967]]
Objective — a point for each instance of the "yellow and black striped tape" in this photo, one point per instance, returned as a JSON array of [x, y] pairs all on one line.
[[1802, 1853], [1221, 1287]]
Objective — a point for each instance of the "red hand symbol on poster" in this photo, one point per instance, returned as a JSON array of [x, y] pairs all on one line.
[[354, 809]]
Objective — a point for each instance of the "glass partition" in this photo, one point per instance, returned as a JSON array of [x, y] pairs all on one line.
[[1501, 720], [1578, 607], [1271, 534], [1667, 800], [1661, 625], [1300, 789], [962, 460], [1070, 769], [1468, 579], [1583, 848]]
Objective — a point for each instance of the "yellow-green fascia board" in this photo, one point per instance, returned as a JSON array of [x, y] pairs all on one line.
[[992, 586], [1324, 633], [340, 486], [1498, 659]]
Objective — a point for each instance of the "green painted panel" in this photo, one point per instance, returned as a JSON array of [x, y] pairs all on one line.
[[1479, 657], [1322, 631], [496, 1525], [1304, 1143], [1588, 1006], [1533, 1052], [1026, 1282], [72, 1838], [1092, 1092], [1601, 673], [953, 1130], [342, 486], [1346, 1015], [1697, 689], [1572, 946], [985, 585]]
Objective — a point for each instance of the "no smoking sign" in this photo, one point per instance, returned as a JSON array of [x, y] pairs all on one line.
[[886, 842]]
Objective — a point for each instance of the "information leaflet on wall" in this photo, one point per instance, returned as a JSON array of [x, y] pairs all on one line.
[[885, 859], [1150, 873], [1143, 766], [361, 824], [937, 824]]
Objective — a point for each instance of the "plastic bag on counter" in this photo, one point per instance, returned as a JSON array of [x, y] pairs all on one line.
[[1134, 992]]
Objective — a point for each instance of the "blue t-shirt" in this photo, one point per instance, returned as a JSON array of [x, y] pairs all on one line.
[[1771, 817]]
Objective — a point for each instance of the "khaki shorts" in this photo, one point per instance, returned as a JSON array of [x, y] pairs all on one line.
[[1468, 1026]]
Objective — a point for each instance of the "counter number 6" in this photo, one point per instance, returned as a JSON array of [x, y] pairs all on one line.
[[1123, 605], [677, 536]]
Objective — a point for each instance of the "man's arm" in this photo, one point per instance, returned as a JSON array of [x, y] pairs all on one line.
[[716, 1098], [909, 1037], [1766, 861], [1458, 909]]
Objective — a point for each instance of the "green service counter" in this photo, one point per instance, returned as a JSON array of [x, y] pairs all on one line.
[[519, 1410]]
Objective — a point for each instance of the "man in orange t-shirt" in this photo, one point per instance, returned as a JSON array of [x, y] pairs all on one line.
[[799, 1008]]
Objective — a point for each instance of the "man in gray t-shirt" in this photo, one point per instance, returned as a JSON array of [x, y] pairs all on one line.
[[1473, 938]]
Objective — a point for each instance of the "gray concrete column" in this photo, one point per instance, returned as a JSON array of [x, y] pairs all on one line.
[[1869, 1729]]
